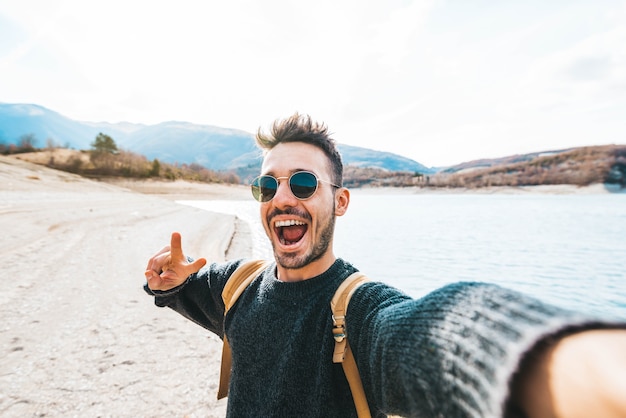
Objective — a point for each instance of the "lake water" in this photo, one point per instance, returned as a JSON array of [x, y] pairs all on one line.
[[569, 250]]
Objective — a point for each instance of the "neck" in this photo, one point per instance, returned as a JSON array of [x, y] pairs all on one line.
[[309, 271]]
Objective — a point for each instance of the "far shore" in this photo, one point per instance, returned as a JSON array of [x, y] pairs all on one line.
[[558, 189], [186, 190]]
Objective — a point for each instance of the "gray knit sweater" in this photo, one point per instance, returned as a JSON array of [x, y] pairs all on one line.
[[451, 353]]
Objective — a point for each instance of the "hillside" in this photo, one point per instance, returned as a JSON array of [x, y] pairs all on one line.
[[507, 160], [173, 142], [578, 166]]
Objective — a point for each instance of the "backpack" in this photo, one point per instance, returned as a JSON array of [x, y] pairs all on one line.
[[240, 280]]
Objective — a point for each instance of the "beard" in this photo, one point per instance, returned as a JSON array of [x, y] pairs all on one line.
[[319, 248]]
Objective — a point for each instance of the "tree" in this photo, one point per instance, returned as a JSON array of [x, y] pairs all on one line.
[[156, 168], [103, 154], [104, 144]]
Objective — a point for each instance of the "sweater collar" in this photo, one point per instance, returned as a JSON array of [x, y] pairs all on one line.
[[305, 288]]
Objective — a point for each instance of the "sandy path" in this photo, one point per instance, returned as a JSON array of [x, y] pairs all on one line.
[[78, 336]]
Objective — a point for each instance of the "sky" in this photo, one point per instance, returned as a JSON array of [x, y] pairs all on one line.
[[440, 82]]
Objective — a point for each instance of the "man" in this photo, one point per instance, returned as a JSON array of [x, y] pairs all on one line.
[[466, 350]]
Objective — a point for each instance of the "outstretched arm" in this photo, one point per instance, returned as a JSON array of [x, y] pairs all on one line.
[[457, 352], [169, 267], [581, 375]]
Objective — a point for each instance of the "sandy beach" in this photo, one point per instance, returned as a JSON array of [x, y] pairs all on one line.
[[79, 337]]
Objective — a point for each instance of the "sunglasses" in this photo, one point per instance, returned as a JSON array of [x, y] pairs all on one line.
[[303, 185]]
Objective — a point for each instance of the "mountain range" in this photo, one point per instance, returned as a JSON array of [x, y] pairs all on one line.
[[213, 147]]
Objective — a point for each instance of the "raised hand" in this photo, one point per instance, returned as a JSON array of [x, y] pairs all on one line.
[[169, 267]]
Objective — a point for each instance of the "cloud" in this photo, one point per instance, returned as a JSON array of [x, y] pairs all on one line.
[[590, 68]]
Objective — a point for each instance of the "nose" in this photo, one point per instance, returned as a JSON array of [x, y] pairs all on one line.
[[284, 197]]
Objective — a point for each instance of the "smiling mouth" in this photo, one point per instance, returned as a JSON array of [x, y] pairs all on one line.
[[290, 232]]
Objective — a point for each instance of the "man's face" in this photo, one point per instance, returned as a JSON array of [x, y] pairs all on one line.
[[301, 231]]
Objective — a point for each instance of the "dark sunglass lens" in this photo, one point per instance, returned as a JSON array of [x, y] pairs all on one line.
[[303, 185], [264, 188]]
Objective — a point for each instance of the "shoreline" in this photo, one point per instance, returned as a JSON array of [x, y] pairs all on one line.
[[185, 190], [556, 189], [182, 189]]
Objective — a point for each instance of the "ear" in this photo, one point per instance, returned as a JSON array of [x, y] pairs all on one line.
[[342, 200]]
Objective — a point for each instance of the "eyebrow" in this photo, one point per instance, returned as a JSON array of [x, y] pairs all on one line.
[[295, 170]]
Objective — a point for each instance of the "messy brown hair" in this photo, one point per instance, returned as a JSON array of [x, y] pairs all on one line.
[[301, 128]]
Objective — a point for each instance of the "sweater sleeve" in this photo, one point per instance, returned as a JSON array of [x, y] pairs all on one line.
[[199, 298], [452, 353]]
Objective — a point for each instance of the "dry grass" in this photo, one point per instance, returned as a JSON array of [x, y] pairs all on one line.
[[123, 164]]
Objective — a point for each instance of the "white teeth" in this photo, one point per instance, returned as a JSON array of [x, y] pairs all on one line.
[[290, 222]]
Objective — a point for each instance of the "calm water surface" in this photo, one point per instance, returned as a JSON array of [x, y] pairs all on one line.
[[566, 249]]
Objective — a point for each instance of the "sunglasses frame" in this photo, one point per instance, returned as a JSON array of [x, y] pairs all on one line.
[[278, 179]]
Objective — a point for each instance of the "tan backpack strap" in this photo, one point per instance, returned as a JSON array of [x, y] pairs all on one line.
[[339, 306], [343, 354], [239, 280], [356, 386], [234, 287]]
